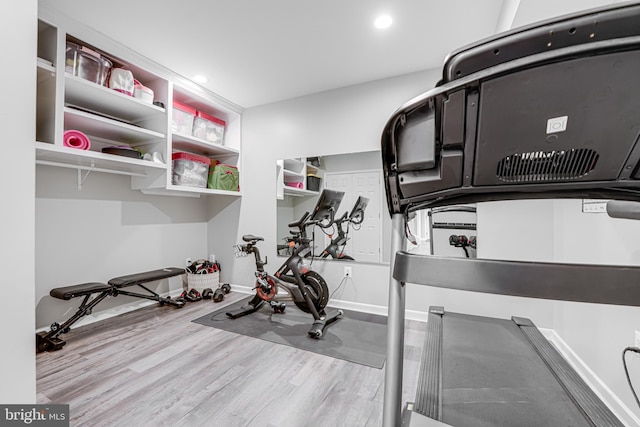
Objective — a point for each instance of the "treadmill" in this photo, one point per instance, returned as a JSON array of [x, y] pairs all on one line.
[[551, 110]]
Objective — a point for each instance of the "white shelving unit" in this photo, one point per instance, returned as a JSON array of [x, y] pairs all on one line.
[[110, 118], [295, 171]]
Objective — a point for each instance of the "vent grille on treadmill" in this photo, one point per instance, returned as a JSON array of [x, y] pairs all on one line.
[[547, 165]]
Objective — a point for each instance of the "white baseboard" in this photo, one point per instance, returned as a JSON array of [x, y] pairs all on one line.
[[381, 310], [597, 385]]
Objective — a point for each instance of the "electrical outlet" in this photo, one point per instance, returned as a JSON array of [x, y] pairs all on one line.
[[347, 272]]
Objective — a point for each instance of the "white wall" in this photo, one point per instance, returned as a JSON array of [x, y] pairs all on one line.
[[107, 230], [558, 231], [335, 122], [599, 333], [17, 115]]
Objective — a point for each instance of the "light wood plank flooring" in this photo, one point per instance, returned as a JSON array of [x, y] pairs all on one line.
[[154, 367]]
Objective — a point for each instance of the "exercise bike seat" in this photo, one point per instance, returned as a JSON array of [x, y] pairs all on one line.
[[252, 238]]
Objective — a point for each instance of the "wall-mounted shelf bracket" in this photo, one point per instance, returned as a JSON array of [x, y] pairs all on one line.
[[89, 169]]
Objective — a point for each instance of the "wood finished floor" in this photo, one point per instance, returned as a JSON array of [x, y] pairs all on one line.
[[154, 367]]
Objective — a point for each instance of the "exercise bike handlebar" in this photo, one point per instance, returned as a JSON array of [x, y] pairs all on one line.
[[301, 223], [331, 220], [356, 218]]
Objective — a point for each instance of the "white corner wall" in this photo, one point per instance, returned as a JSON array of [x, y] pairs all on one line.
[[18, 29], [340, 121], [106, 230]]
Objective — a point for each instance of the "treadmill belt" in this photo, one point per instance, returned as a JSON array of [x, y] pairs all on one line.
[[484, 372], [491, 376]]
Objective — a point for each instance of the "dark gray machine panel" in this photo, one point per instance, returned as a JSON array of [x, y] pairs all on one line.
[[417, 144], [561, 125], [588, 26], [559, 129]]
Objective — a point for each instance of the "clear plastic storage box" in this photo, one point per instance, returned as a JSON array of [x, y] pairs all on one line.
[[209, 128], [190, 170], [182, 118], [86, 64]]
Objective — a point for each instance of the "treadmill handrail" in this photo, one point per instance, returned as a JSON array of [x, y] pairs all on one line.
[[590, 283]]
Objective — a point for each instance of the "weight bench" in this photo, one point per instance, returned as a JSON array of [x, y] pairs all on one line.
[[51, 341]]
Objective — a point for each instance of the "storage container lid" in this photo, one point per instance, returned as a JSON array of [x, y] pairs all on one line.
[[210, 118], [189, 156], [185, 108], [224, 165]]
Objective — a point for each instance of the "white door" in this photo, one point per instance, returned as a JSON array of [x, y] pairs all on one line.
[[364, 239]]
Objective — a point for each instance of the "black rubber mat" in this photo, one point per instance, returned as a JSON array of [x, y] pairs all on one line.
[[356, 337]]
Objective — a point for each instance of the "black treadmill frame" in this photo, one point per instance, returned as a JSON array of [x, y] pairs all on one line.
[[618, 30]]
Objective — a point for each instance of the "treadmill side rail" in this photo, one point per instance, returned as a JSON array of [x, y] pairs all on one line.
[[601, 284]]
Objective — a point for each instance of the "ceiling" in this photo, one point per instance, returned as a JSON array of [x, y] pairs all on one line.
[[256, 52]]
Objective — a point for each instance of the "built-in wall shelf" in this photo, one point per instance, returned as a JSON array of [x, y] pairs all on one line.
[[296, 172], [105, 128], [71, 95], [88, 95], [46, 70], [192, 144], [182, 191], [298, 192], [55, 155]]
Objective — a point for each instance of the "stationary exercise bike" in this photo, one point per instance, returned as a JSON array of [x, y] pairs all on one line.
[[336, 247], [307, 288]]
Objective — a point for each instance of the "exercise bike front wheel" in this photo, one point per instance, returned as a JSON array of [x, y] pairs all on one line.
[[317, 289], [271, 293]]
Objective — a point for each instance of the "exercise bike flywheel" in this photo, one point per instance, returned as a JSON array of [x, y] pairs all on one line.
[[317, 289], [264, 294]]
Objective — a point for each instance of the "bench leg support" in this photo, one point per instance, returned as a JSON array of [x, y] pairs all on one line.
[[152, 296], [50, 341]]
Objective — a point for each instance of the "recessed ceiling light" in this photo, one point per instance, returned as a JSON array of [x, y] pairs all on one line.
[[200, 79], [383, 21]]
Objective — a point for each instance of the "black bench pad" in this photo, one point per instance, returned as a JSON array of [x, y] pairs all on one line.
[[148, 276], [73, 291]]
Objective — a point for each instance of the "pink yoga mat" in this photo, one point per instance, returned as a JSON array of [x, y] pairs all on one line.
[[294, 184], [76, 139]]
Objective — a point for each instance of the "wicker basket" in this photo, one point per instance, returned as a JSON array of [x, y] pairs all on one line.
[[201, 282]]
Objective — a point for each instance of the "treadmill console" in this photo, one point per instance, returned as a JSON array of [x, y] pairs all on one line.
[[546, 111]]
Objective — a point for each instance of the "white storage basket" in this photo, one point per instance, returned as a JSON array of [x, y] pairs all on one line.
[[201, 282]]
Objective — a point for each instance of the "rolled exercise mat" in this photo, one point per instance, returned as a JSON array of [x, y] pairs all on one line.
[[76, 139], [294, 184]]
